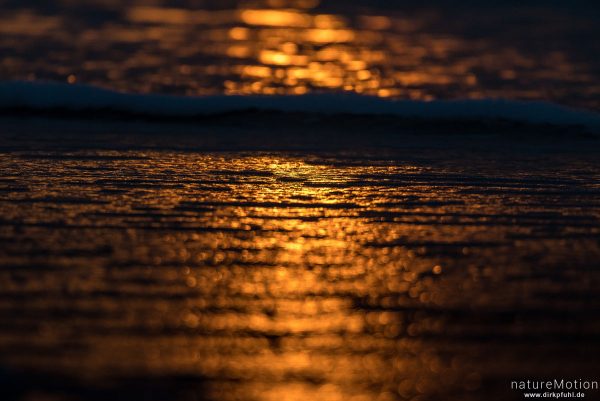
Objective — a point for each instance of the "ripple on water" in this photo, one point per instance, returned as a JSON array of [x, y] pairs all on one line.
[[421, 283]]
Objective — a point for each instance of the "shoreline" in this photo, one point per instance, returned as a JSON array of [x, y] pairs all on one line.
[[74, 101]]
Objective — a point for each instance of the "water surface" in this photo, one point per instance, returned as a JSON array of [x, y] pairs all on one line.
[[537, 51], [422, 275]]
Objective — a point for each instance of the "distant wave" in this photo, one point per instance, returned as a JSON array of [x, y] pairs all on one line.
[[48, 96]]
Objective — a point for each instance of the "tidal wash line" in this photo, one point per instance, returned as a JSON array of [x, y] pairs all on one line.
[[75, 100]]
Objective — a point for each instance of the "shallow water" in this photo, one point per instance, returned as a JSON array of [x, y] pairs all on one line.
[[428, 274], [543, 50]]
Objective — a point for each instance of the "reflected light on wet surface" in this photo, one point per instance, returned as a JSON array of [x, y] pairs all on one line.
[[286, 47], [282, 277], [295, 276]]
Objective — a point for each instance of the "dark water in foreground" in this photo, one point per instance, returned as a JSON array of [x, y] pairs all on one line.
[[409, 50], [414, 275]]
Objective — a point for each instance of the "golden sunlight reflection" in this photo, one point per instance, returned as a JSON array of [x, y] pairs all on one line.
[[289, 47], [301, 275], [276, 276], [276, 18]]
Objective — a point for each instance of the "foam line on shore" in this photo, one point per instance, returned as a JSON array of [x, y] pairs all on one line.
[[46, 96]]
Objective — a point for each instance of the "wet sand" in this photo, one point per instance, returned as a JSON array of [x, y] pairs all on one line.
[[158, 269]]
